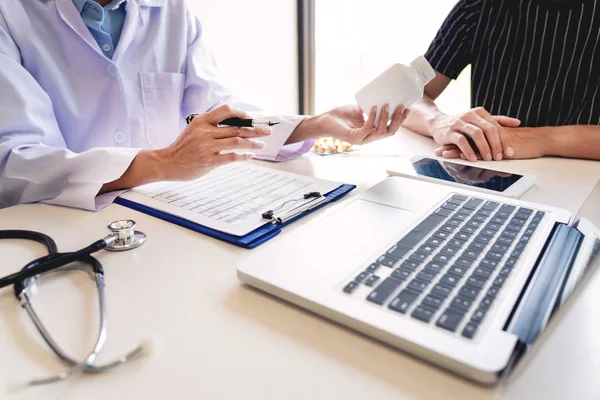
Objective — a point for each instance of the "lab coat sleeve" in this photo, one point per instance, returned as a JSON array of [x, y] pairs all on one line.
[[35, 164], [204, 91]]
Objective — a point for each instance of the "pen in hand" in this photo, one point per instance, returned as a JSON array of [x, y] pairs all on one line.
[[247, 122], [240, 122]]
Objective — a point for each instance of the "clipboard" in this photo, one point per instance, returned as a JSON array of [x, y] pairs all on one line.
[[249, 241]]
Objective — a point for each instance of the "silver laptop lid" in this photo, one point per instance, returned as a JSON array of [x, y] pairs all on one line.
[[573, 252], [587, 221]]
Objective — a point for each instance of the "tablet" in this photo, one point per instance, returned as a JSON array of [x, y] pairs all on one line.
[[465, 175]]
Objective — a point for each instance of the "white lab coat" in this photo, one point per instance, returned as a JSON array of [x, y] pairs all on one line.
[[72, 119]]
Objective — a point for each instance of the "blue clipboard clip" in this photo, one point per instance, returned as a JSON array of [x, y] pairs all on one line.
[[315, 199]]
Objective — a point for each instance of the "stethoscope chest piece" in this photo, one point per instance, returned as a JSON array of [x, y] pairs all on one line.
[[124, 236]]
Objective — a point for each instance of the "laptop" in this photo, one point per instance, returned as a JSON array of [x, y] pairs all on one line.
[[462, 279]]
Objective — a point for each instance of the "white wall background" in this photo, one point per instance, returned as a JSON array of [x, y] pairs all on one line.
[[356, 40], [255, 45]]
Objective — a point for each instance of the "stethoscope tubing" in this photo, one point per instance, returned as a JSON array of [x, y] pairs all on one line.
[[100, 339], [54, 260], [45, 264], [30, 235]]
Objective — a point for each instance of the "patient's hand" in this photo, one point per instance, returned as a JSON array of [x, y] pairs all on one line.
[[526, 143], [475, 131]]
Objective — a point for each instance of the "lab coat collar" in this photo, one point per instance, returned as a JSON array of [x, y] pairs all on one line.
[[134, 21], [71, 16]]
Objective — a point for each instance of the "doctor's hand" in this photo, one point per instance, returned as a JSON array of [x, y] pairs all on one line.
[[201, 147], [204, 145], [348, 124], [476, 131]]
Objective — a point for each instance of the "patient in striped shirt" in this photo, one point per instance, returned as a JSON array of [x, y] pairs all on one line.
[[535, 83]]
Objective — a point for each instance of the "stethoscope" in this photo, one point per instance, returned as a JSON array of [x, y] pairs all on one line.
[[123, 237]]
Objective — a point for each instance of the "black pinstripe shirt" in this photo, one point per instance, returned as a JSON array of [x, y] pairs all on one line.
[[536, 60]]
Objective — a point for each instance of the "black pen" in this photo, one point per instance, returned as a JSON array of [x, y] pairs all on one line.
[[240, 122]]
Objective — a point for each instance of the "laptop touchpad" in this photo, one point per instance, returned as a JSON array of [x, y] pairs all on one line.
[[357, 232]]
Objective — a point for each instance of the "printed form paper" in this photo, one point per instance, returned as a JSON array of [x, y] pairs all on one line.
[[231, 198]]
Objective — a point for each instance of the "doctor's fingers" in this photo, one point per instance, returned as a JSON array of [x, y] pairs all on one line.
[[369, 124], [384, 130], [398, 118], [238, 143], [228, 158], [383, 120], [369, 132], [220, 113], [234, 131]]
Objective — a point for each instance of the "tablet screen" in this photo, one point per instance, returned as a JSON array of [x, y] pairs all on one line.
[[466, 174]]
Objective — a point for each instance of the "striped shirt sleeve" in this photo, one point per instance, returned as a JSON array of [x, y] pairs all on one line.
[[451, 49]]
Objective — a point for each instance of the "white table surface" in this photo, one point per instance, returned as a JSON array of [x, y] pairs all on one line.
[[217, 339]]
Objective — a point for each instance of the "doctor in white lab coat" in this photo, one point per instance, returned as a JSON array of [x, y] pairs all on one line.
[[93, 96]]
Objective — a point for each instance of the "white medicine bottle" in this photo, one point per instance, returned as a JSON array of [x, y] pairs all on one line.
[[399, 84]]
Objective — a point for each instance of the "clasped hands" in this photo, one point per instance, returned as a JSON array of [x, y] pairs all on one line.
[[477, 134]]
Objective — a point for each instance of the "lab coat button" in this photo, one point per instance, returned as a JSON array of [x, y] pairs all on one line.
[[111, 70], [119, 137]]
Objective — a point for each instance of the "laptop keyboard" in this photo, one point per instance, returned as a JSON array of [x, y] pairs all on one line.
[[450, 268]]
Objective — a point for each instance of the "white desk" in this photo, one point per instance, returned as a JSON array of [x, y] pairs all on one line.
[[217, 339]]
